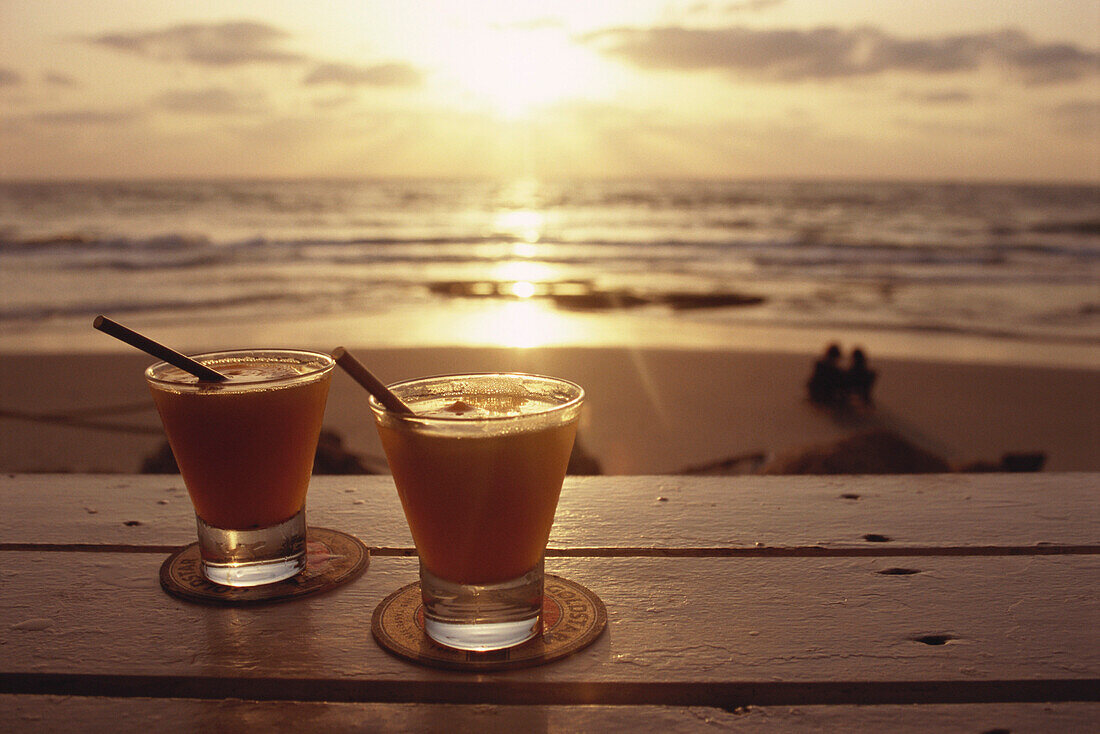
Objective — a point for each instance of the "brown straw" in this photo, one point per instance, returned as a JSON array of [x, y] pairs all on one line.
[[374, 386], [155, 349]]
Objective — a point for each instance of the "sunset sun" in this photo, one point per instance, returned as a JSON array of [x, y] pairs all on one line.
[[514, 72]]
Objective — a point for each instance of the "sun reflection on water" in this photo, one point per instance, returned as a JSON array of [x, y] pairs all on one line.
[[523, 289], [524, 249], [523, 224], [523, 270]]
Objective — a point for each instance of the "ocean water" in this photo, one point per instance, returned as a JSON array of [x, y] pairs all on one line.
[[1018, 262]]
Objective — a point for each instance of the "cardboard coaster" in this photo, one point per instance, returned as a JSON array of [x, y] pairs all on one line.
[[332, 558], [572, 618]]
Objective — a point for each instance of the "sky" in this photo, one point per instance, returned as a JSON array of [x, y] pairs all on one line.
[[866, 89]]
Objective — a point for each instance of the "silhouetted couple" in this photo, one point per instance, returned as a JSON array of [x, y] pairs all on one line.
[[833, 386]]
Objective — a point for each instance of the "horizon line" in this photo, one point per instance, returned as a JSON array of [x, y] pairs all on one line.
[[838, 179]]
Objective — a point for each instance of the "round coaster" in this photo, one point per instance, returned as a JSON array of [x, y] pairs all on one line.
[[572, 618], [332, 558]]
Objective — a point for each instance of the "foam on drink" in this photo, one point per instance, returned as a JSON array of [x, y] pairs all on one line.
[[238, 371]]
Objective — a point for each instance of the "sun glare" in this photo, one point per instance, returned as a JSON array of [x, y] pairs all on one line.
[[514, 71]]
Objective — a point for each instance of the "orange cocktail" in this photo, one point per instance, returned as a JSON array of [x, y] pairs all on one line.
[[245, 448], [479, 467]]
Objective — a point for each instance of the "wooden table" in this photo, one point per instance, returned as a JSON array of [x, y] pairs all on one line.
[[957, 602]]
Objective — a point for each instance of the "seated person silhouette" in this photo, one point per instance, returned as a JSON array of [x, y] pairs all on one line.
[[859, 379], [826, 385]]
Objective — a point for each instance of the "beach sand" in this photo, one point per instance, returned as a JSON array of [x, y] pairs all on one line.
[[654, 410]]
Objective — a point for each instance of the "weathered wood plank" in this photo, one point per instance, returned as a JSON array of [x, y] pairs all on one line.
[[943, 511], [49, 714], [698, 631]]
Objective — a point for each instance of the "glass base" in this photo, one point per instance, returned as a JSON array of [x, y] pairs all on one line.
[[253, 557], [482, 617]]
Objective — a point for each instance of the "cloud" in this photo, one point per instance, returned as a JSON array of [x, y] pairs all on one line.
[[1090, 107], [333, 103], [10, 78], [950, 128], [378, 75], [1051, 63], [751, 6], [212, 44], [57, 79], [84, 117], [210, 101], [941, 97], [1079, 117], [832, 53]]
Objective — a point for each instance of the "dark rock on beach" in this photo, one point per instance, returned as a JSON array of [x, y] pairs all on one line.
[[883, 451], [584, 295], [1014, 461], [878, 451], [332, 458], [581, 462]]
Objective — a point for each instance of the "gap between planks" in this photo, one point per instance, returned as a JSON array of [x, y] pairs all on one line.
[[876, 550], [542, 692]]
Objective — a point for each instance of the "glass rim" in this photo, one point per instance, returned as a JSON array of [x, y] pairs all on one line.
[[379, 410], [328, 363]]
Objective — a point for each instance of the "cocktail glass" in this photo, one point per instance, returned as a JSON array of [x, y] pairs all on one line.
[[479, 466], [245, 448]]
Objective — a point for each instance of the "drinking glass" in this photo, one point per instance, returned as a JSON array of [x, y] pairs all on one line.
[[479, 465], [245, 448]]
